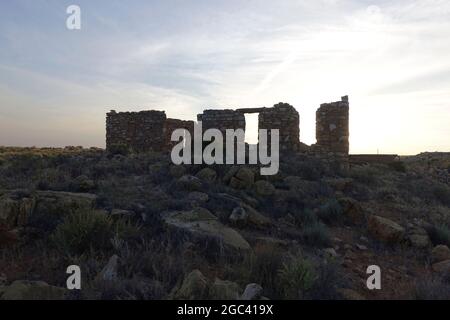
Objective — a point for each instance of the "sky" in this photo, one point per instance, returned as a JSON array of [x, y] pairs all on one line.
[[391, 57]]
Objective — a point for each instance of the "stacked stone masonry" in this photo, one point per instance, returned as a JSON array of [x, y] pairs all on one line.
[[152, 130], [285, 118], [332, 126], [140, 131], [222, 120]]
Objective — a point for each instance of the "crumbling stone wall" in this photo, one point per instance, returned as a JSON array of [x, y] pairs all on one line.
[[332, 126], [284, 117], [171, 125], [140, 131], [222, 120]]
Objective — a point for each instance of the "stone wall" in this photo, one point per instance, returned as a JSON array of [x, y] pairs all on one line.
[[332, 126], [222, 120], [285, 118], [140, 131], [171, 125]]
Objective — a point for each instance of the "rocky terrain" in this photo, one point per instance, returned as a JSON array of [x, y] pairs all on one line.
[[142, 228]]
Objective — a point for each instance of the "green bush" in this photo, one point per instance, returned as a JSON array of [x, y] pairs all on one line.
[[442, 193], [263, 266], [316, 234], [86, 230], [331, 212], [119, 148], [305, 217], [439, 235], [364, 174], [296, 278]]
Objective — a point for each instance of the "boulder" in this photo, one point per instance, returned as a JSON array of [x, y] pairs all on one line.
[[440, 253], [177, 171], [195, 286], [442, 267], [207, 174], [61, 203], [418, 237], [253, 291], [385, 230], [197, 197], [15, 212], [189, 183], [224, 290], [255, 218], [264, 188], [352, 209], [32, 290], [239, 217], [7, 237], [243, 179], [201, 222]]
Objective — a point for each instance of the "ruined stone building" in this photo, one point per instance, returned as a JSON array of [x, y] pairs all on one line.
[[151, 130]]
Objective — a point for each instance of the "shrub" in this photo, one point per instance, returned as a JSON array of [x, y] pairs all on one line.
[[442, 193], [305, 217], [296, 278], [398, 166], [316, 234], [331, 212], [329, 278], [432, 289], [439, 235], [84, 230], [119, 148], [364, 174], [264, 265]]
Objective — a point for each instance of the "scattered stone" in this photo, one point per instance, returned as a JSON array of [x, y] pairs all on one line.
[[384, 229], [331, 252], [264, 188], [239, 217], [195, 286], [352, 210], [361, 247], [255, 218], [224, 290], [32, 290], [442, 267], [207, 174], [440, 253], [253, 291], [202, 223], [198, 197], [190, 183]]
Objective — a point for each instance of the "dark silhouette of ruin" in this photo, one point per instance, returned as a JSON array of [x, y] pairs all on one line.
[[151, 130]]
